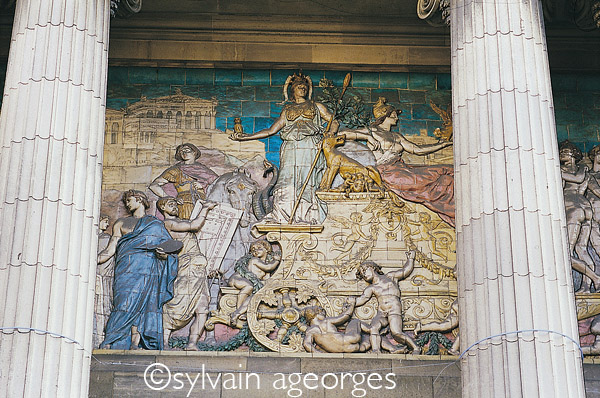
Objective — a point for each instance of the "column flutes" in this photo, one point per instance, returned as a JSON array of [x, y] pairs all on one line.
[[513, 263], [52, 134]]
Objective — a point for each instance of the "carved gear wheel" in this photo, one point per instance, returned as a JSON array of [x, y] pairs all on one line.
[[276, 313]]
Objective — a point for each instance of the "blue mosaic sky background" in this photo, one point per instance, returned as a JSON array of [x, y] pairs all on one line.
[[256, 96]]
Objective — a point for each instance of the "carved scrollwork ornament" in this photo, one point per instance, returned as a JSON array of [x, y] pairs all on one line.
[[434, 12], [123, 8]]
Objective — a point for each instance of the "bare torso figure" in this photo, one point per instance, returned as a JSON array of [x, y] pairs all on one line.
[[593, 195], [385, 289], [323, 334]]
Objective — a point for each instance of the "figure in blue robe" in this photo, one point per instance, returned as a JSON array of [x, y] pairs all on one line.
[[143, 283]]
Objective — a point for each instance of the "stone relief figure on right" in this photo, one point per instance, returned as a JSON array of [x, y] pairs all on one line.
[[581, 189], [591, 195], [579, 212]]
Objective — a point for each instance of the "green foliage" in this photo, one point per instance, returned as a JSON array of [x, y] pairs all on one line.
[[350, 111], [292, 329], [434, 339]]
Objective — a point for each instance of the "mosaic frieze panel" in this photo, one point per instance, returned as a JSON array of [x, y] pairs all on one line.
[[327, 225]]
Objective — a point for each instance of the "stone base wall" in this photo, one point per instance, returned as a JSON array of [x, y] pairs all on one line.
[[116, 374], [121, 374]]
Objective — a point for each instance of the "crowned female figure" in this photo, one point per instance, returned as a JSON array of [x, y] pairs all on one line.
[[300, 126], [432, 186]]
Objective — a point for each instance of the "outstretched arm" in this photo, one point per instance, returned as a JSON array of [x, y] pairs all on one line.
[[275, 127], [415, 149], [405, 271], [366, 296], [451, 322], [266, 266], [191, 226], [156, 186], [346, 314], [364, 135]]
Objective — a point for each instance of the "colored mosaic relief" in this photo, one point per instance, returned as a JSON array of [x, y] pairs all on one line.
[[264, 227], [278, 211], [577, 111]]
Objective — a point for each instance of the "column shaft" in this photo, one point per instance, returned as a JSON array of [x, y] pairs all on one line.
[[513, 264], [52, 134]]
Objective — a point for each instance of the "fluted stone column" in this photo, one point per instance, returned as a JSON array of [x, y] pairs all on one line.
[[513, 264], [51, 130]]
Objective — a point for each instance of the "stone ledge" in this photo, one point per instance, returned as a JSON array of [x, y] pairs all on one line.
[[416, 376], [413, 375]]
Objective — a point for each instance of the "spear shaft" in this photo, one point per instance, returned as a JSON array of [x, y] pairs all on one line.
[[314, 163]]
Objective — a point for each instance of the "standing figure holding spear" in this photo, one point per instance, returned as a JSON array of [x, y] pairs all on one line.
[[301, 163]]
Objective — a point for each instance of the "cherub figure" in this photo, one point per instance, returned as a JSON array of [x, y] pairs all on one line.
[[249, 275], [354, 224], [427, 231], [323, 334], [357, 183], [385, 289]]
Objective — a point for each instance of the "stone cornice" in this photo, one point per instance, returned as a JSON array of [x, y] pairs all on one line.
[[254, 41], [384, 43]]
